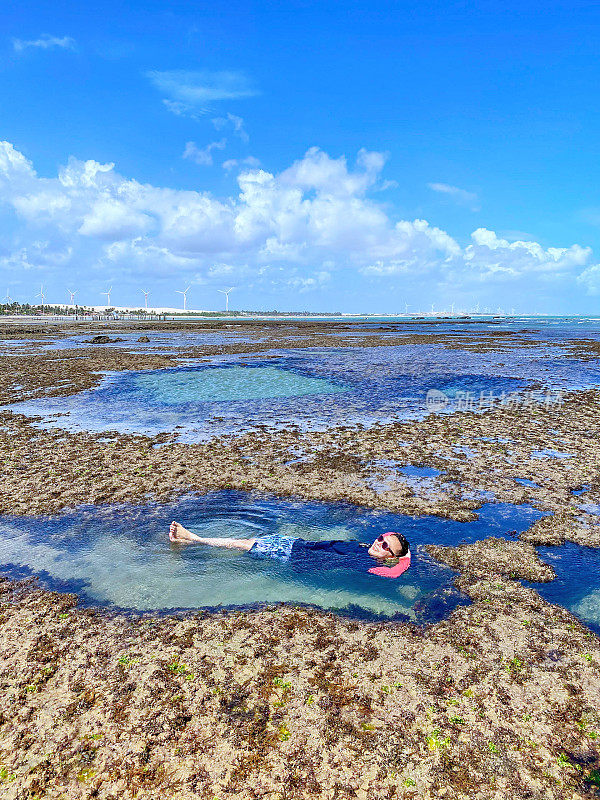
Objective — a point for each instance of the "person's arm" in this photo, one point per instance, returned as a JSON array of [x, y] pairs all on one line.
[[393, 572]]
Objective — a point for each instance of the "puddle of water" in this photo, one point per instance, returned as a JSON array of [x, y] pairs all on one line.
[[121, 555], [526, 482], [582, 490], [590, 508], [419, 472], [420, 479], [463, 450], [577, 583], [548, 453]]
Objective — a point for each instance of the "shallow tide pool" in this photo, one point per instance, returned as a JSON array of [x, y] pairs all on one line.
[[120, 555], [312, 389], [577, 582]]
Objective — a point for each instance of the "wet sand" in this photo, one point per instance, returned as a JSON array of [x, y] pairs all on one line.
[[500, 700]]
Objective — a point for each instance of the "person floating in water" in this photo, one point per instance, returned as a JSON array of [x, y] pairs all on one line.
[[305, 555]]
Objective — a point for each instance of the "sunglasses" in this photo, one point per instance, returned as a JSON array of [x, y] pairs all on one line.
[[385, 545]]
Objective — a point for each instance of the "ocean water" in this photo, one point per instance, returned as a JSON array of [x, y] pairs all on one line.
[[121, 556]]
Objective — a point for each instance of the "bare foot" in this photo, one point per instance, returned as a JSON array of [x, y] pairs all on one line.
[[180, 535]]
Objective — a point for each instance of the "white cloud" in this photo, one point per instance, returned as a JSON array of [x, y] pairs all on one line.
[[203, 155], [590, 279], [319, 172], [301, 225], [13, 164], [461, 196], [385, 185], [493, 256], [237, 123], [143, 257], [114, 220], [232, 163], [192, 93], [45, 42], [317, 281]]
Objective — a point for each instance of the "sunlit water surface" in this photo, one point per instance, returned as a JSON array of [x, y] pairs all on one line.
[[121, 555], [314, 389]]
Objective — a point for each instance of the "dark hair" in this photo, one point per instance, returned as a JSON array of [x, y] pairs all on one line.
[[405, 545]]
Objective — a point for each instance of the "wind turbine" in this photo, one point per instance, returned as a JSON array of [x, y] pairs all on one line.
[[226, 293], [72, 296], [8, 299], [107, 297], [184, 293], [42, 295], [145, 293]]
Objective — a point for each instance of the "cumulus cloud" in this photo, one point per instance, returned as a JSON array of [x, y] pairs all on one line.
[[297, 228], [317, 281], [203, 155], [461, 196], [193, 93], [45, 42], [590, 279], [493, 256]]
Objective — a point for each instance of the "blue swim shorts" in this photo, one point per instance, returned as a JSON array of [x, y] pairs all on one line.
[[273, 546]]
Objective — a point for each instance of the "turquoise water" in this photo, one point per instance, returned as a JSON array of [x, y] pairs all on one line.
[[226, 384], [312, 389], [120, 556]]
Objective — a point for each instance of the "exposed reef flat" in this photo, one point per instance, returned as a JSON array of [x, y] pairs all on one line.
[[498, 701], [46, 470]]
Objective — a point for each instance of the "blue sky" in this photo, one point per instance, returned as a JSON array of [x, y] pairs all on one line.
[[327, 156]]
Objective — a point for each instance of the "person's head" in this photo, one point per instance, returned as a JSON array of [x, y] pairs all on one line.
[[389, 545]]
